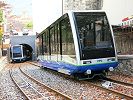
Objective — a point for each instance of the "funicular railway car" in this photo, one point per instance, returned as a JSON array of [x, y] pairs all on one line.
[[80, 44], [17, 53]]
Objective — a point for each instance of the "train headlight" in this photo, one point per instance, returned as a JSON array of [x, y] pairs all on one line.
[[111, 59], [111, 68], [88, 71]]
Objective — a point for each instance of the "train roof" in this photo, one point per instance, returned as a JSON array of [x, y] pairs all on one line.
[[85, 11], [17, 45]]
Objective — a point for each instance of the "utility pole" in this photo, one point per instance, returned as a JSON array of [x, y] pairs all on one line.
[[2, 45], [62, 7]]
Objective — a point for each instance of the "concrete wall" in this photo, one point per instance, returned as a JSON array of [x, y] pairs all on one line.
[[124, 44], [30, 40]]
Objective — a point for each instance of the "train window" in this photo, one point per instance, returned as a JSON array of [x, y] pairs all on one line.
[[57, 41], [54, 43], [95, 35], [45, 45], [48, 45], [51, 43], [52, 40], [40, 45], [68, 48], [17, 51]]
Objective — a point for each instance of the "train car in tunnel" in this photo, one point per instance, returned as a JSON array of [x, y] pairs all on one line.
[[20, 53]]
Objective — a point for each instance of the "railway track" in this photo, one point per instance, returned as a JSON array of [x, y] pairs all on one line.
[[119, 93], [122, 90], [119, 82], [33, 89]]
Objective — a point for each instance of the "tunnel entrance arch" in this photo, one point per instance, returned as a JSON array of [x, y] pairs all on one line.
[[25, 40], [28, 51]]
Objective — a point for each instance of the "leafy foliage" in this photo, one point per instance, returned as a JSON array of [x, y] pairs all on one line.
[[1, 16], [29, 25]]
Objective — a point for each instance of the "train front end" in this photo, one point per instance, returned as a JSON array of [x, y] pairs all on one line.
[[95, 47], [17, 53]]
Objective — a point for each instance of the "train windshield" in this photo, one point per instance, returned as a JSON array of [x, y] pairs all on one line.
[[17, 51], [95, 38]]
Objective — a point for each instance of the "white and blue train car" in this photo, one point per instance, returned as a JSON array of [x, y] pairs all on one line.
[[79, 44], [17, 54]]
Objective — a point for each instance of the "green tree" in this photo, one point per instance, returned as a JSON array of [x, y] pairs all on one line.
[[1, 20], [1, 16], [29, 25]]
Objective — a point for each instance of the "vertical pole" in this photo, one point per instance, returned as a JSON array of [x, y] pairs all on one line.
[[62, 7], [2, 46]]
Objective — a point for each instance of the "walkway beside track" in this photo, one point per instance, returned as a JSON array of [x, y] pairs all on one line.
[[3, 62]]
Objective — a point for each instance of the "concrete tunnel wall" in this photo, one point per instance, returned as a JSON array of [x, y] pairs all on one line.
[[30, 40]]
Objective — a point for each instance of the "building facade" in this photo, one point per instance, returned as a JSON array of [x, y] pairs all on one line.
[[82, 5]]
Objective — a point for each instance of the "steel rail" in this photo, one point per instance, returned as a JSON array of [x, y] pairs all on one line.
[[63, 95], [102, 88], [119, 82], [112, 91], [32, 63], [27, 98]]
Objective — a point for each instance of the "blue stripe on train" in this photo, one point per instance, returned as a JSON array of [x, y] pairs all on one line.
[[77, 69]]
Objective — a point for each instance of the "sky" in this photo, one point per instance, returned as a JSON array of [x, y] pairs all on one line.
[[44, 12], [118, 9], [20, 6]]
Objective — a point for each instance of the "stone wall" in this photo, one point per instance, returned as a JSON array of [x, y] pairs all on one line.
[[124, 45], [82, 5], [125, 67]]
